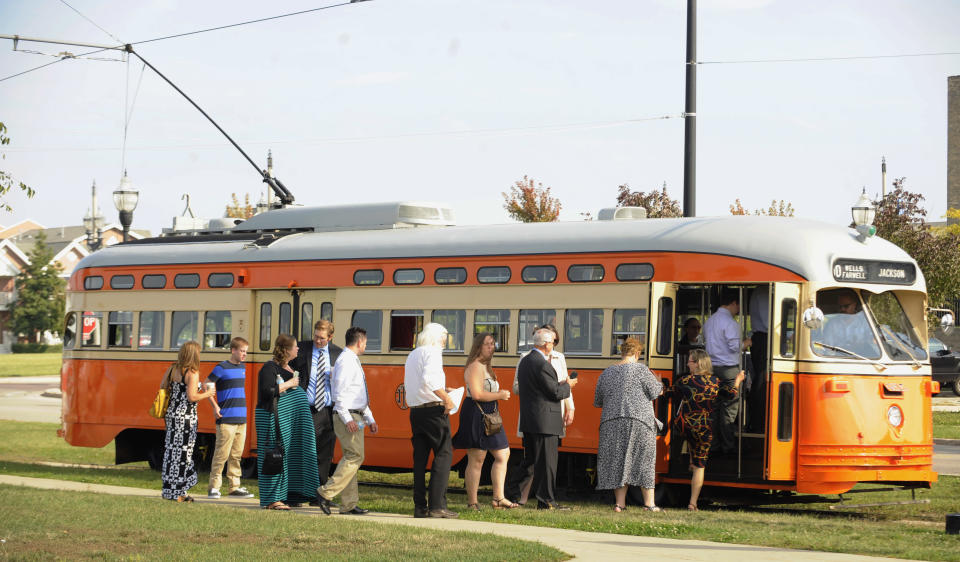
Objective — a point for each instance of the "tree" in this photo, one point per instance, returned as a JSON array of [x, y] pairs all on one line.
[[236, 210], [7, 182], [776, 209], [529, 201], [657, 203], [901, 220], [40, 294]]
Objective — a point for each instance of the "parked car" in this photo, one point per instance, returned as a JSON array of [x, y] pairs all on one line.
[[945, 364]]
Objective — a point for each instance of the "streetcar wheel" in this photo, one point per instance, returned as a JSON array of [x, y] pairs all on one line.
[[956, 385]]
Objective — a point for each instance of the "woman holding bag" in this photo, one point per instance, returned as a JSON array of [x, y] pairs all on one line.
[[483, 392], [178, 472]]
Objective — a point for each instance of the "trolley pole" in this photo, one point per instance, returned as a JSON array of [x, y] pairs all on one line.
[[690, 117]]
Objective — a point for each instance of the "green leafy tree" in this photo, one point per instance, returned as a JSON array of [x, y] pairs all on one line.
[[776, 209], [529, 201], [657, 203], [7, 182], [40, 294], [901, 220]]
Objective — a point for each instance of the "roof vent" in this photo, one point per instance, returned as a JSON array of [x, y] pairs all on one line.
[[622, 213], [369, 216]]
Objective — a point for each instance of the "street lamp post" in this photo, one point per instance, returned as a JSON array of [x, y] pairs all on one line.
[[125, 199], [863, 213]]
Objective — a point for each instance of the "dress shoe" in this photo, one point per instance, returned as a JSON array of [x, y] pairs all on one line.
[[552, 506], [323, 503], [420, 513], [357, 510], [444, 513]]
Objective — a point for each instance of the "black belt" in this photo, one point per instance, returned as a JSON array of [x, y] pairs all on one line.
[[359, 412], [428, 405]]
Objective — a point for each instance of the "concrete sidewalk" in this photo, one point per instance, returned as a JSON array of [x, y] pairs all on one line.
[[581, 545]]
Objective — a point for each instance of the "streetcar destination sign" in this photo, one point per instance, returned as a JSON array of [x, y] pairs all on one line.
[[863, 271]]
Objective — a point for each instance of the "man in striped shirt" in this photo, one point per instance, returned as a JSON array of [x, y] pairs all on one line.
[[230, 409]]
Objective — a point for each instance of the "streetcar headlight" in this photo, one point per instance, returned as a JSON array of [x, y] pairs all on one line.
[[895, 416]]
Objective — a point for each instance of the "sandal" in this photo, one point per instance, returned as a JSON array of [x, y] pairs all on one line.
[[278, 506], [184, 499], [473, 507], [503, 503], [651, 508], [619, 508]]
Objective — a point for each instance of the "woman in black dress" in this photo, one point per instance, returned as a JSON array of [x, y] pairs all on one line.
[[483, 391]]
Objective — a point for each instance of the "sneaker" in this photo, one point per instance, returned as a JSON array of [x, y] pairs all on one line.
[[214, 494], [239, 493]]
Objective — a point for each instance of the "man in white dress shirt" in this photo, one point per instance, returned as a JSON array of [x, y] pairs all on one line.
[[425, 384], [351, 412]]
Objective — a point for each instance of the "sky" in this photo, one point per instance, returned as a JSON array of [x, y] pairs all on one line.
[[455, 100]]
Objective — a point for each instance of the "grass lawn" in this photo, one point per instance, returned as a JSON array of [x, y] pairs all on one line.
[[905, 531], [946, 425], [86, 525], [30, 364]]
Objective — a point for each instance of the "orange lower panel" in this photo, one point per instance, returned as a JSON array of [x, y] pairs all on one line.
[[719, 483], [840, 480]]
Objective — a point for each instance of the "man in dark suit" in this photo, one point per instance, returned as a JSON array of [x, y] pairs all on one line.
[[540, 421], [315, 362]]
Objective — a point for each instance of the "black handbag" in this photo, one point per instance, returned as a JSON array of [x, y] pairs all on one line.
[[273, 458]]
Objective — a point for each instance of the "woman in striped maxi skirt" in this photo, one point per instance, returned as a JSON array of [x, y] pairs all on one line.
[[279, 394]]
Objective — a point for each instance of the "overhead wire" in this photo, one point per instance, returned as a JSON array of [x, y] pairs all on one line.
[[112, 36], [828, 59]]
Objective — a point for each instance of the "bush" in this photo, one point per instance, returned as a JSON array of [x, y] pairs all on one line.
[[36, 348]]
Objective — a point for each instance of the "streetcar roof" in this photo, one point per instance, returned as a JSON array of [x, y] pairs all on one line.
[[806, 248]]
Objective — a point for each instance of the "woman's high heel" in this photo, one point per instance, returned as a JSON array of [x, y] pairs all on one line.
[[503, 503]]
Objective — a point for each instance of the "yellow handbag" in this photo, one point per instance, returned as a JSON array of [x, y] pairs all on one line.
[[160, 402]]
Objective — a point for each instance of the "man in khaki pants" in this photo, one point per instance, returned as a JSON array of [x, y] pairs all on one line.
[[351, 412], [230, 409]]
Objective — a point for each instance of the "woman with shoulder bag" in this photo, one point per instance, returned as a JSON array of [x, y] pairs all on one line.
[[483, 392], [178, 472]]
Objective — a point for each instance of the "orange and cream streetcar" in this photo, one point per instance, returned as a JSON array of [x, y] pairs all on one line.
[[846, 400]]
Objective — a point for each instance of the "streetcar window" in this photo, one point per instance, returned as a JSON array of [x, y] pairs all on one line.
[[530, 320], [91, 329], [785, 412], [306, 320], [217, 329], [493, 274], [539, 274], [153, 281], [585, 273], [455, 321], [495, 322], [151, 330], [183, 328], [326, 312], [583, 331], [286, 312], [368, 277], [408, 277], [846, 329], [404, 327], [372, 322], [266, 316], [93, 283], [896, 332], [634, 272], [665, 329], [121, 282], [220, 280], [629, 323], [788, 331], [120, 329], [70, 331], [186, 280], [450, 276]]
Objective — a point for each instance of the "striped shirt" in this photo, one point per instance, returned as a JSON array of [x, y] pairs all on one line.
[[231, 396]]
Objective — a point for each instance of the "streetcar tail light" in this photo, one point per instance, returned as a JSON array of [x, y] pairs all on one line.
[[934, 387], [837, 385]]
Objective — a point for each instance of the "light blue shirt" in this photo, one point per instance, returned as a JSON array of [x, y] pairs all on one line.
[[722, 335]]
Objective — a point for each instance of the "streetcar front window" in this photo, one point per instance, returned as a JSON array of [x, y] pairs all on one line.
[[846, 329], [898, 335]]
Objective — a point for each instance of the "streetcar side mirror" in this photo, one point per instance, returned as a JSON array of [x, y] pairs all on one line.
[[946, 323], [813, 318]]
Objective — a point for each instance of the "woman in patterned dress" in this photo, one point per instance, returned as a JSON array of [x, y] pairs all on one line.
[[279, 394], [626, 452], [699, 391], [483, 392], [178, 472]]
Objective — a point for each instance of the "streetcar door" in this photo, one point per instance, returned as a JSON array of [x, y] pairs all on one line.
[[314, 305], [660, 348], [781, 410], [274, 315]]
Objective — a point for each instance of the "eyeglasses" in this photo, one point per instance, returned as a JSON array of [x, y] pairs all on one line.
[[847, 305], [693, 361]]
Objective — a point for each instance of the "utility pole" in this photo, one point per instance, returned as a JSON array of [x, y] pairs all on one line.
[[883, 177], [690, 117]]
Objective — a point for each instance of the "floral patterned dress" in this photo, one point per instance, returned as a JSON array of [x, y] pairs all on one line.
[[178, 472], [699, 394]]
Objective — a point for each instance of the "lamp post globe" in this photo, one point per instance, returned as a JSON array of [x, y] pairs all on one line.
[[125, 199], [863, 210]]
